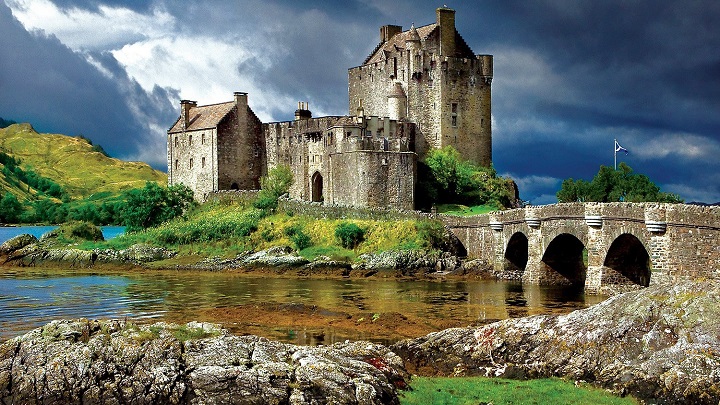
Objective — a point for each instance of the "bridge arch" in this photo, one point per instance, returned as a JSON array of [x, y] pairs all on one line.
[[516, 255], [627, 262], [563, 261]]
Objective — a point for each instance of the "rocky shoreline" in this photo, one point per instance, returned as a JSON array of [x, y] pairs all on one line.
[[27, 251], [660, 345]]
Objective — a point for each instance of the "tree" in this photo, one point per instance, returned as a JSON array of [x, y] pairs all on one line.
[[611, 185], [152, 205], [445, 178], [10, 208], [276, 183]]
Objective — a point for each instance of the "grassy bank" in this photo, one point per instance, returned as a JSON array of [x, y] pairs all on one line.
[[225, 229], [479, 390]]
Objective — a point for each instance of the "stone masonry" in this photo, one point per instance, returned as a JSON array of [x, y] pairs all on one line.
[[418, 90], [601, 247]]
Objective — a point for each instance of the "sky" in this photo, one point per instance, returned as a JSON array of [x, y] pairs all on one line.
[[570, 76]]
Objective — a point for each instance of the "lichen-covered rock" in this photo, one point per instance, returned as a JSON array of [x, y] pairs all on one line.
[[114, 362], [279, 256], [661, 344], [137, 254], [16, 243]]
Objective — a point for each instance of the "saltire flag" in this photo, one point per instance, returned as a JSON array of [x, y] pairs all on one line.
[[619, 148]]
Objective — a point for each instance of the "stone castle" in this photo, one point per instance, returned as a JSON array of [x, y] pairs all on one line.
[[419, 90]]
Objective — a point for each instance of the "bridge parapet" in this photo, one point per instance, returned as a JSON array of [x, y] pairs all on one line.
[[679, 241]]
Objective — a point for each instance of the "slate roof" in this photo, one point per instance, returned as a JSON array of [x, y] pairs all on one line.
[[204, 117], [397, 42]]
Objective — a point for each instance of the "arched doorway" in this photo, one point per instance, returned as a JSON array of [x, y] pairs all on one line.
[[516, 256], [564, 261], [317, 187], [627, 262]]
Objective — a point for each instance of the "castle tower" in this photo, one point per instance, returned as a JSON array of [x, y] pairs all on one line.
[[397, 103], [446, 22]]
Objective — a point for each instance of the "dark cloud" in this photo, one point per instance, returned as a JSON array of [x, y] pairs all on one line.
[[57, 90], [570, 76]]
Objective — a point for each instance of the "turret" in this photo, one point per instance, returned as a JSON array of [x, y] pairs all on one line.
[[413, 45], [397, 102]]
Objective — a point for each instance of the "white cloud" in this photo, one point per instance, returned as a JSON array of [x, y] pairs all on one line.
[[535, 188], [82, 29], [685, 145]]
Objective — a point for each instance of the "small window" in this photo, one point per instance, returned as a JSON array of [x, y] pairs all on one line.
[[191, 163], [177, 164], [202, 140], [202, 163], [454, 108], [190, 141], [454, 113], [454, 120], [176, 142]]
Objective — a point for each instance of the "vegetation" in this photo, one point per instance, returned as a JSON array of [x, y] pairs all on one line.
[[75, 232], [275, 184], [464, 210], [480, 390], [349, 234], [40, 172], [153, 205], [227, 228], [445, 178], [6, 123], [611, 185]]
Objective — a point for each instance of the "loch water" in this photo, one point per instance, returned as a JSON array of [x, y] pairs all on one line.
[[32, 297]]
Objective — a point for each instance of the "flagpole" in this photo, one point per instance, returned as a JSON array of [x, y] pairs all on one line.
[[615, 149]]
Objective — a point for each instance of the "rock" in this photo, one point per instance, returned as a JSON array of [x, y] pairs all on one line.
[[16, 243], [137, 254], [660, 344], [279, 256], [115, 362]]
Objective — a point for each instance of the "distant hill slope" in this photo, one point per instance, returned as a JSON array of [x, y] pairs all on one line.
[[72, 163]]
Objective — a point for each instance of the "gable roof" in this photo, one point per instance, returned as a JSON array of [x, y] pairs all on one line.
[[204, 117], [397, 42]]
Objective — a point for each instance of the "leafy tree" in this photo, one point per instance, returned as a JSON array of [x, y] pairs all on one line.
[[276, 183], [445, 178], [611, 185], [10, 208], [152, 205]]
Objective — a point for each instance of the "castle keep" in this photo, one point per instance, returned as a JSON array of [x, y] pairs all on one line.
[[420, 89]]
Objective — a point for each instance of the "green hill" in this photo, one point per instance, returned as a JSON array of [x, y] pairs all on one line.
[[79, 168]]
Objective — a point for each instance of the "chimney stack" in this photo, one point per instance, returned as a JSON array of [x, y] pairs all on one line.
[[389, 31], [302, 113], [446, 22], [185, 106]]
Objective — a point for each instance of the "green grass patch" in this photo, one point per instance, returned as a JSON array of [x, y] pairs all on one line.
[[464, 210], [481, 390]]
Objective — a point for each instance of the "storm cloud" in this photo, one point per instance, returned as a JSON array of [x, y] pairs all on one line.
[[570, 76]]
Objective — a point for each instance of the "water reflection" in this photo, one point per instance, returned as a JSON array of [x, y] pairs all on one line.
[[31, 297]]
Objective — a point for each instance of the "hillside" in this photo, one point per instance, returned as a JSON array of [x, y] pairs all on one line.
[[72, 163]]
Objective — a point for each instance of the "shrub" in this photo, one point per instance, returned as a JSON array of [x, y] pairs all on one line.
[[299, 238], [153, 205], [349, 234], [272, 186]]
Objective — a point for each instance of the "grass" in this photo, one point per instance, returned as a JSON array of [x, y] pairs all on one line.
[[481, 390], [55, 156], [225, 229], [464, 210]]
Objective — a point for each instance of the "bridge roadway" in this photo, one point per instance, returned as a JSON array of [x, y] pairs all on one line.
[[595, 246]]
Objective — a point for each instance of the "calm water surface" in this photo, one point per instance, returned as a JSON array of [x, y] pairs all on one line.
[[30, 298], [8, 232]]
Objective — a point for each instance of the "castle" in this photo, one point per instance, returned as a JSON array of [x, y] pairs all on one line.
[[419, 90]]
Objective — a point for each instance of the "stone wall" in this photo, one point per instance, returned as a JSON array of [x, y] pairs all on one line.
[[626, 243], [240, 149], [297, 207], [192, 161]]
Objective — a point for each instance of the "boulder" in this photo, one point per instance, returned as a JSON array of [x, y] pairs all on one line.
[[279, 256], [116, 362], [16, 243], [660, 344]]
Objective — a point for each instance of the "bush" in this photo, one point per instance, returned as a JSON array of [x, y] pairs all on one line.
[[153, 205], [74, 231], [349, 234], [299, 238], [275, 184]]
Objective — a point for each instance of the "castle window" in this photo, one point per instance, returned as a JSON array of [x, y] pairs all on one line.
[[177, 164], [176, 142], [202, 163], [190, 141], [202, 140], [453, 114], [191, 163]]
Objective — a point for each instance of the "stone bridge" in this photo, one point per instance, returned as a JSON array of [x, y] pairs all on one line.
[[595, 246]]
